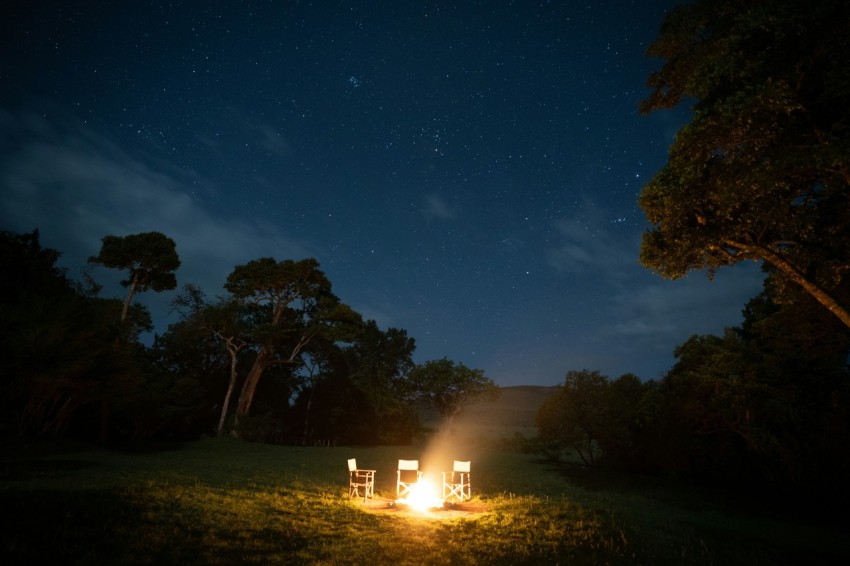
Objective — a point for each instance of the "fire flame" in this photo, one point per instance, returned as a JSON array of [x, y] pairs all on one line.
[[422, 496]]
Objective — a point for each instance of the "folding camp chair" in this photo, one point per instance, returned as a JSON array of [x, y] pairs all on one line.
[[360, 481], [456, 483], [408, 475]]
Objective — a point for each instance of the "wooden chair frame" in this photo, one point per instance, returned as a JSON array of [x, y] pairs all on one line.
[[456, 483], [408, 475], [360, 480]]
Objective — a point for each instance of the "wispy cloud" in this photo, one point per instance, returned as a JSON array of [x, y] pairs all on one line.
[[77, 188], [272, 140], [586, 243], [437, 207], [664, 310], [637, 317]]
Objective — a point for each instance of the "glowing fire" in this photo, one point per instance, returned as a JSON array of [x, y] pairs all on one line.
[[422, 496]]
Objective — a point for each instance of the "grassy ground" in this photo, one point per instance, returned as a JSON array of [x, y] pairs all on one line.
[[222, 501]]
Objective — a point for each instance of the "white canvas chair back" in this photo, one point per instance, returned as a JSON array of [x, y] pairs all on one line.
[[408, 474], [360, 482], [456, 483]]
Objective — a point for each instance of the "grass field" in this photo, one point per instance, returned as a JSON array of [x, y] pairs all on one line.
[[223, 501]]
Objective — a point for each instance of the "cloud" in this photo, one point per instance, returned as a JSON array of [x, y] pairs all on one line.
[[249, 132], [664, 310], [634, 318], [632, 326], [77, 187], [437, 207], [586, 244], [272, 141], [636, 327]]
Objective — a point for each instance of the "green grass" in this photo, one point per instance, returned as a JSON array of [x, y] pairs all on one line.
[[222, 501]]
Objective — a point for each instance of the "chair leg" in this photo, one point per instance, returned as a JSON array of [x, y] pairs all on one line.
[[368, 490]]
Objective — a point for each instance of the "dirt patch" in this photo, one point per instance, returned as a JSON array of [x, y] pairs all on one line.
[[448, 511]]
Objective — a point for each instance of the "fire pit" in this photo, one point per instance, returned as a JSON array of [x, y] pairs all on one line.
[[422, 497]]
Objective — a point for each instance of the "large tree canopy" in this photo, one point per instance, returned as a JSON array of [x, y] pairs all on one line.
[[150, 260], [762, 172], [380, 361], [293, 306], [58, 351]]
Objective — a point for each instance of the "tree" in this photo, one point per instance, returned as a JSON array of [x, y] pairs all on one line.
[[803, 357], [762, 172], [576, 417], [622, 431], [225, 321], [450, 387], [150, 260], [59, 352], [190, 354], [357, 393], [292, 304], [379, 363]]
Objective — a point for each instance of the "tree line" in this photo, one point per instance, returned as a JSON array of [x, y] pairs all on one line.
[[278, 357], [760, 410]]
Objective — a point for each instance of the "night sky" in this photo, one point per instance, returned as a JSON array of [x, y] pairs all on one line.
[[466, 171]]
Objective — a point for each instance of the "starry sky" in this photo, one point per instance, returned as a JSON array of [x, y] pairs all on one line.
[[466, 171]]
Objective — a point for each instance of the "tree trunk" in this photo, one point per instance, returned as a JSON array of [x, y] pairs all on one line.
[[306, 433], [307, 417], [246, 397], [233, 351], [795, 275], [129, 298], [265, 358]]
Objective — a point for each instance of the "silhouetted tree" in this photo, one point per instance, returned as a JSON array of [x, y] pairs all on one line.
[[762, 172], [576, 417], [58, 345], [186, 354], [450, 387], [150, 260], [292, 304], [761, 409], [379, 363], [226, 321], [623, 429]]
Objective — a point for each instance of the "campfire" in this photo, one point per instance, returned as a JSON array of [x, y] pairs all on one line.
[[418, 493], [422, 496]]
